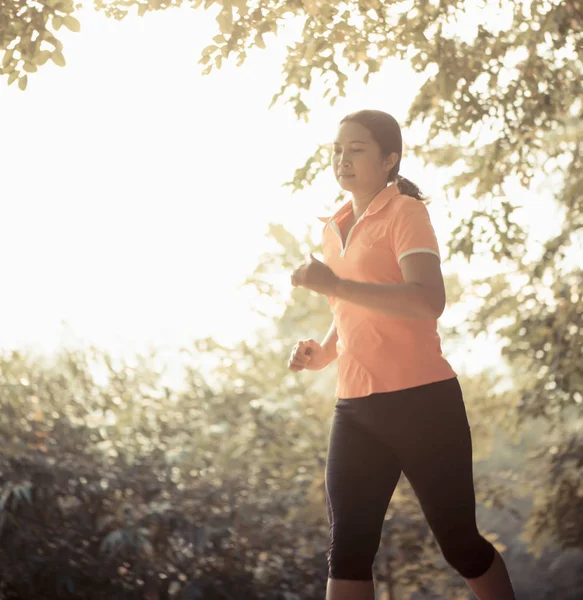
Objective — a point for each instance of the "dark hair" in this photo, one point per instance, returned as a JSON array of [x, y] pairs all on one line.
[[387, 134]]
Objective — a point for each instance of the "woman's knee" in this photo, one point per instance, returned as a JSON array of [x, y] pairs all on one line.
[[470, 556], [352, 553]]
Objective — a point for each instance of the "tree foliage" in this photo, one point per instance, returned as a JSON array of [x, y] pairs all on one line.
[[501, 104]]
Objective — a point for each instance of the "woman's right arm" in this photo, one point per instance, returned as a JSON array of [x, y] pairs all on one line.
[[329, 343]]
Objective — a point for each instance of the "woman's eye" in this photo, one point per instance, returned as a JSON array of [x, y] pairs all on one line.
[[352, 151]]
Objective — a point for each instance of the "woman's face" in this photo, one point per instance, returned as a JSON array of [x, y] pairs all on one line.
[[359, 166]]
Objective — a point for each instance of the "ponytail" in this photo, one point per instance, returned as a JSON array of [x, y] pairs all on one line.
[[408, 188]]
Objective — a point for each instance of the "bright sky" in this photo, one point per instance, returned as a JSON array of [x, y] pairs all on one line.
[[136, 193]]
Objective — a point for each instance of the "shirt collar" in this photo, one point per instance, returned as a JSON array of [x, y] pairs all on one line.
[[379, 202]]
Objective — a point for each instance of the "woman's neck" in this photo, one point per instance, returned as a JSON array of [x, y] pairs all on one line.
[[360, 202]]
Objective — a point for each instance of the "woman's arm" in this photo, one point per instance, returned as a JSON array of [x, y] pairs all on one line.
[[329, 343], [421, 296]]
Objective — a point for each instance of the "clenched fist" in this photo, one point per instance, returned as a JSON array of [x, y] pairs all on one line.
[[314, 275], [308, 354]]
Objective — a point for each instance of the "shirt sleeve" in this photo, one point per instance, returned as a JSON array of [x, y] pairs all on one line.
[[412, 231]]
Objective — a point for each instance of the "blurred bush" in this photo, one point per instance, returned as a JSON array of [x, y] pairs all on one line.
[[128, 489]]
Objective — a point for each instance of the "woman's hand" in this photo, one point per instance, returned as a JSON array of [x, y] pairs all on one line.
[[308, 354], [316, 276]]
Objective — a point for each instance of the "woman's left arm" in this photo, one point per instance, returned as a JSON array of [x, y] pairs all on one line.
[[421, 296]]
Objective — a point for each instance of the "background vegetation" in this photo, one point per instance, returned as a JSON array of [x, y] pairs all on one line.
[[115, 485]]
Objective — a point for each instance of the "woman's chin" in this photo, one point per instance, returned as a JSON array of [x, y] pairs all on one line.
[[347, 183]]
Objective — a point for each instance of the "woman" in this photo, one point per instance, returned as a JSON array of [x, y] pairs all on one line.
[[400, 407]]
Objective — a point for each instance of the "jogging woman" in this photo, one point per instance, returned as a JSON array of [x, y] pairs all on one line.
[[399, 404]]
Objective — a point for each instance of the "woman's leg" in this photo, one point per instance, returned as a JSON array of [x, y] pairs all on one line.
[[361, 476], [437, 460], [494, 583]]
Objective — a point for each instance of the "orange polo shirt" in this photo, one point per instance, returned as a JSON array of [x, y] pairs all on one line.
[[377, 353]]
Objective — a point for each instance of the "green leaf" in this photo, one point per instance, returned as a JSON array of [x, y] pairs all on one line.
[[242, 58], [8, 55], [209, 49], [30, 68], [23, 492], [142, 8], [41, 58], [259, 41], [57, 22], [225, 19], [72, 24], [112, 542], [13, 77], [23, 82], [58, 58], [6, 493], [147, 547], [52, 40]]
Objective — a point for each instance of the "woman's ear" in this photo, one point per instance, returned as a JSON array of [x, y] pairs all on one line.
[[391, 161], [394, 158]]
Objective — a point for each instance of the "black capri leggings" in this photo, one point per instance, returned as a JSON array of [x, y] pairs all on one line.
[[423, 432]]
